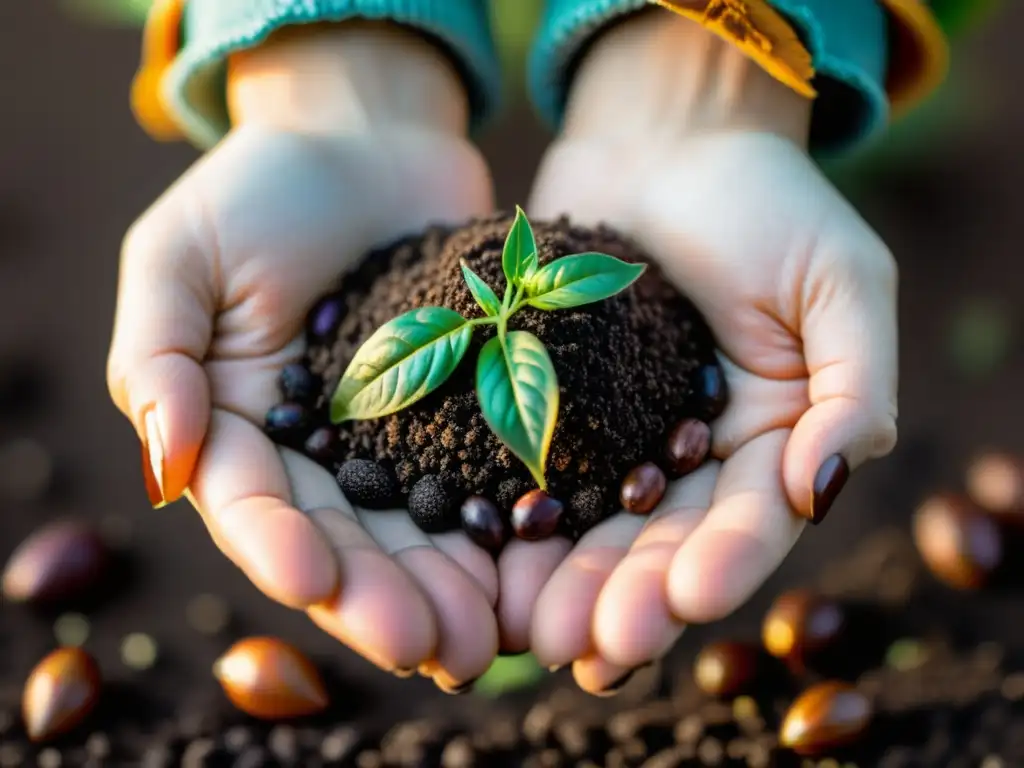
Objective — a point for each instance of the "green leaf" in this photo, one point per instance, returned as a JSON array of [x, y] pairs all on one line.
[[485, 297], [403, 361], [518, 392], [581, 279], [519, 257], [510, 673]]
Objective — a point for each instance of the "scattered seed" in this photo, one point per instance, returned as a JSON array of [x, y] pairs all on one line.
[[800, 624], [59, 562], [959, 543], [297, 384], [208, 614], [322, 444], [711, 389], [367, 484], [284, 419], [536, 515], [26, 470], [483, 523], [825, 716], [725, 668], [270, 679], [71, 630], [60, 692], [643, 489], [138, 651], [688, 446], [905, 655], [325, 317]]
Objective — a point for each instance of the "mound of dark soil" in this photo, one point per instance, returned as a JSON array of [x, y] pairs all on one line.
[[626, 368]]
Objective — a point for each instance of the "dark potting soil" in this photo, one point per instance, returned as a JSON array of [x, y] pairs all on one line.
[[626, 369]]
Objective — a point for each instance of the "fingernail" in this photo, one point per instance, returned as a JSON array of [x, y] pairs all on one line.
[[828, 482], [153, 461], [556, 668], [459, 689], [617, 684], [403, 672]]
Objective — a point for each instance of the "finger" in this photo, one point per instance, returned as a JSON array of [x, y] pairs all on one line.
[[241, 490], [249, 386], [600, 677], [162, 330], [849, 335], [524, 567], [472, 559], [756, 405], [745, 535], [633, 623], [467, 634], [560, 627]]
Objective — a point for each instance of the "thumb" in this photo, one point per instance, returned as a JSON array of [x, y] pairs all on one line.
[[162, 330], [850, 349]]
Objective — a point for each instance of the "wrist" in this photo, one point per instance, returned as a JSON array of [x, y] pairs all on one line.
[[355, 77], [659, 77]]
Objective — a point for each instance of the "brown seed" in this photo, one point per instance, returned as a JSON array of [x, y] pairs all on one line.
[[59, 562], [535, 516], [825, 716], [960, 544], [483, 523], [643, 489], [60, 692], [269, 679], [688, 446], [801, 623], [725, 668], [995, 481]]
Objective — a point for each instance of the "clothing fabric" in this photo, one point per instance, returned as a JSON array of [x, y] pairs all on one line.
[[859, 58]]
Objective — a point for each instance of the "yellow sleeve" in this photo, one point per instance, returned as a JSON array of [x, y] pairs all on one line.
[[161, 40]]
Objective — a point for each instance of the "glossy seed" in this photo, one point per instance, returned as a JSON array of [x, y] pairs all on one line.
[[367, 484], [285, 418], [643, 489], [726, 668], [325, 317], [60, 693], [60, 562], [270, 679], [483, 523], [688, 446], [995, 481], [800, 624], [297, 383], [535, 516], [322, 444], [960, 544], [825, 716], [711, 391]]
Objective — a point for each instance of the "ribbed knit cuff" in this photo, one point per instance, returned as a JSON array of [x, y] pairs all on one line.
[[194, 87], [847, 39]]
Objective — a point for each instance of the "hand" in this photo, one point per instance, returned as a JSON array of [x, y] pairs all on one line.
[[708, 171], [346, 137]]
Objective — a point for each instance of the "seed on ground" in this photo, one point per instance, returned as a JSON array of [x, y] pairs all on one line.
[[71, 630], [138, 651]]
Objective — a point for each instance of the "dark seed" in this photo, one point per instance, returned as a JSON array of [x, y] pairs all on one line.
[[825, 716], [643, 489], [322, 444], [325, 317], [285, 418], [430, 507], [483, 523], [800, 624], [688, 446], [60, 693], [535, 516], [60, 562], [711, 390], [726, 668], [367, 484], [959, 543], [297, 383]]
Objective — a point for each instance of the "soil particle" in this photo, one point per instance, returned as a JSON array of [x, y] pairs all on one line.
[[625, 367]]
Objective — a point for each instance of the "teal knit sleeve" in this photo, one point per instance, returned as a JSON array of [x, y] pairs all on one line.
[[847, 39], [194, 87]]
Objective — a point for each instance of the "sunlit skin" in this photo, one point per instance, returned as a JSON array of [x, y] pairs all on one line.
[[351, 135]]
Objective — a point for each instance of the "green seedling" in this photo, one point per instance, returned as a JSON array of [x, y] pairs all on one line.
[[409, 357]]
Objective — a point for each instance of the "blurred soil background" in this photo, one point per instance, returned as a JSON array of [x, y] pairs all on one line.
[[944, 191]]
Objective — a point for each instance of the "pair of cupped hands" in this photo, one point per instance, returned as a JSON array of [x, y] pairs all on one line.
[[346, 137]]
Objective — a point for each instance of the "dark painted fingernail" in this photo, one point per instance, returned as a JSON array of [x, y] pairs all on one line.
[[828, 482], [459, 689], [153, 465]]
